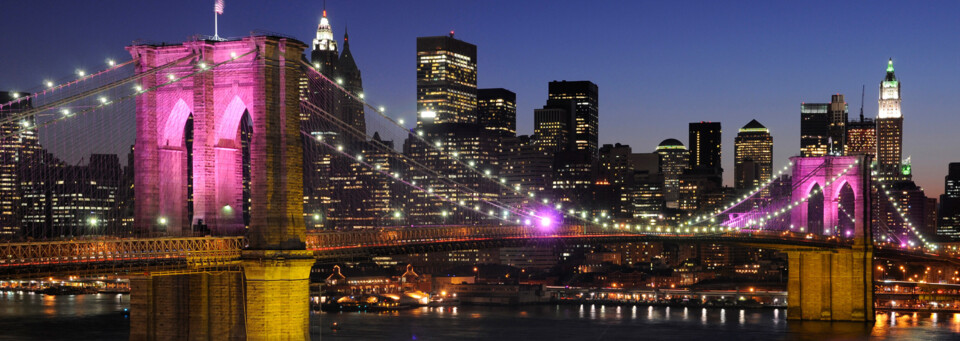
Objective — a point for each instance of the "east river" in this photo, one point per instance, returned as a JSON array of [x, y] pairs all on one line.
[[100, 317]]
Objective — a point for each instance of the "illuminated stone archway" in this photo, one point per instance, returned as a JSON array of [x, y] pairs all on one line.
[[816, 175], [247, 85]]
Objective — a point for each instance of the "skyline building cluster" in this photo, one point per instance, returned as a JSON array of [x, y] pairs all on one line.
[[465, 136]]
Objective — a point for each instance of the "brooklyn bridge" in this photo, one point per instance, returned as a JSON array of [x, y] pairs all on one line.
[[225, 132]]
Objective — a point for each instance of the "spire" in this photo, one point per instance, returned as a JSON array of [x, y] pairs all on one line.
[[890, 76], [324, 39]]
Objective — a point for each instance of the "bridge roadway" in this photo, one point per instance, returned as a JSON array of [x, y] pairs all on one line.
[[135, 256]]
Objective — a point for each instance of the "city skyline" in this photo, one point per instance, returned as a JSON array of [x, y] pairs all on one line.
[[678, 71]]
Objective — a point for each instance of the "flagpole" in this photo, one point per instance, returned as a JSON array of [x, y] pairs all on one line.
[[215, 28]]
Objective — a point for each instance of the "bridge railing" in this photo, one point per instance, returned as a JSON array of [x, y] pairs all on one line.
[[191, 250]]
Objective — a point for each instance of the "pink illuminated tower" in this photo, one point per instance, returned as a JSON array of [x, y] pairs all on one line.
[[256, 83]]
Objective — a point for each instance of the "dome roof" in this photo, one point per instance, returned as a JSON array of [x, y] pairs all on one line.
[[671, 144]]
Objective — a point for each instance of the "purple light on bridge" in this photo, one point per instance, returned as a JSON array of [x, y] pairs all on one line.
[[547, 219]]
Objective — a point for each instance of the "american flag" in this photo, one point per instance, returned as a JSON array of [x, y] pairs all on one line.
[[218, 7]]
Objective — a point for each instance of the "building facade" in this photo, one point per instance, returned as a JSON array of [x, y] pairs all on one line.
[[585, 127], [446, 80], [889, 125], [753, 156], [705, 147]]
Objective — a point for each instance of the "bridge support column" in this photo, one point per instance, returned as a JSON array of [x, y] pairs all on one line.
[[835, 285], [187, 307], [277, 288]]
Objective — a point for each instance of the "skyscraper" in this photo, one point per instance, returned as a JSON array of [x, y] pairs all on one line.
[[705, 147], [337, 189], [324, 55], [497, 111], [889, 125], [551, 129], [674, 159], [814, 129], [836, 129], [585, 129], [861, 137], [19, 152], [948, 226], [446, 80], [753, 155]]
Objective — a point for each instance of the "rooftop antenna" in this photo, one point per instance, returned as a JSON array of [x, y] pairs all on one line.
[[863, 87]]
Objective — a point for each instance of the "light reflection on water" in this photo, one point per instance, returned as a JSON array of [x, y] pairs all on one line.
[[27, 316]]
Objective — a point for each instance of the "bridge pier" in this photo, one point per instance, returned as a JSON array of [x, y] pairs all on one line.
[[277, 292], [187, 307], [834, 285]]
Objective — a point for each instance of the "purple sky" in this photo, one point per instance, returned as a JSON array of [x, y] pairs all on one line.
[[659, 64]]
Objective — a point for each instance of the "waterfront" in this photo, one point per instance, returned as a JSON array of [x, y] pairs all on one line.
[[99, 317]]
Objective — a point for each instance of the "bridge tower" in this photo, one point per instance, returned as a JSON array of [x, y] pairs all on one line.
[[257, 85], [834, 284]]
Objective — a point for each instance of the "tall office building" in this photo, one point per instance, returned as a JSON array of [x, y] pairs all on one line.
[[337, 189], [643, 198], [948, 226], [836, 129], [615, 164], [497, 111], [705, 147], [446, 80], [614, 171], [470, 143], [324, 55], [814, 129], [585, 127], [18, 154], [551, 129], [889, 125], [524, 164], [753, 155], [861, 137], [674, 160]]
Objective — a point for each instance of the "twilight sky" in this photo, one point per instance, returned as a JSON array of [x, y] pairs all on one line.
[[659, 64]]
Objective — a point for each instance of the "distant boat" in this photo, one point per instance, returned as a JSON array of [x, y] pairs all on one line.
[[437, 301]]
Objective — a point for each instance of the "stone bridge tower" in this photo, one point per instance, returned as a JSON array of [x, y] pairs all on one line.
[[257, 84]]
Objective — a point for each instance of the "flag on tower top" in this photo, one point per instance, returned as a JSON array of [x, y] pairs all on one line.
[[218, 7]]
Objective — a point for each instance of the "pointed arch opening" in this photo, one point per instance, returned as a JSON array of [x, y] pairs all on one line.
[[846, 210], [815, 210]]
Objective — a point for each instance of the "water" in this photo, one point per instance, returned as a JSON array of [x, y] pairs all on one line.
[[98, 317]]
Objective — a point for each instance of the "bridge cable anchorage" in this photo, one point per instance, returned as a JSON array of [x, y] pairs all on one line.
[[451, 156], [50, 87], [406, 159], [60, 102], [105, 103]]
